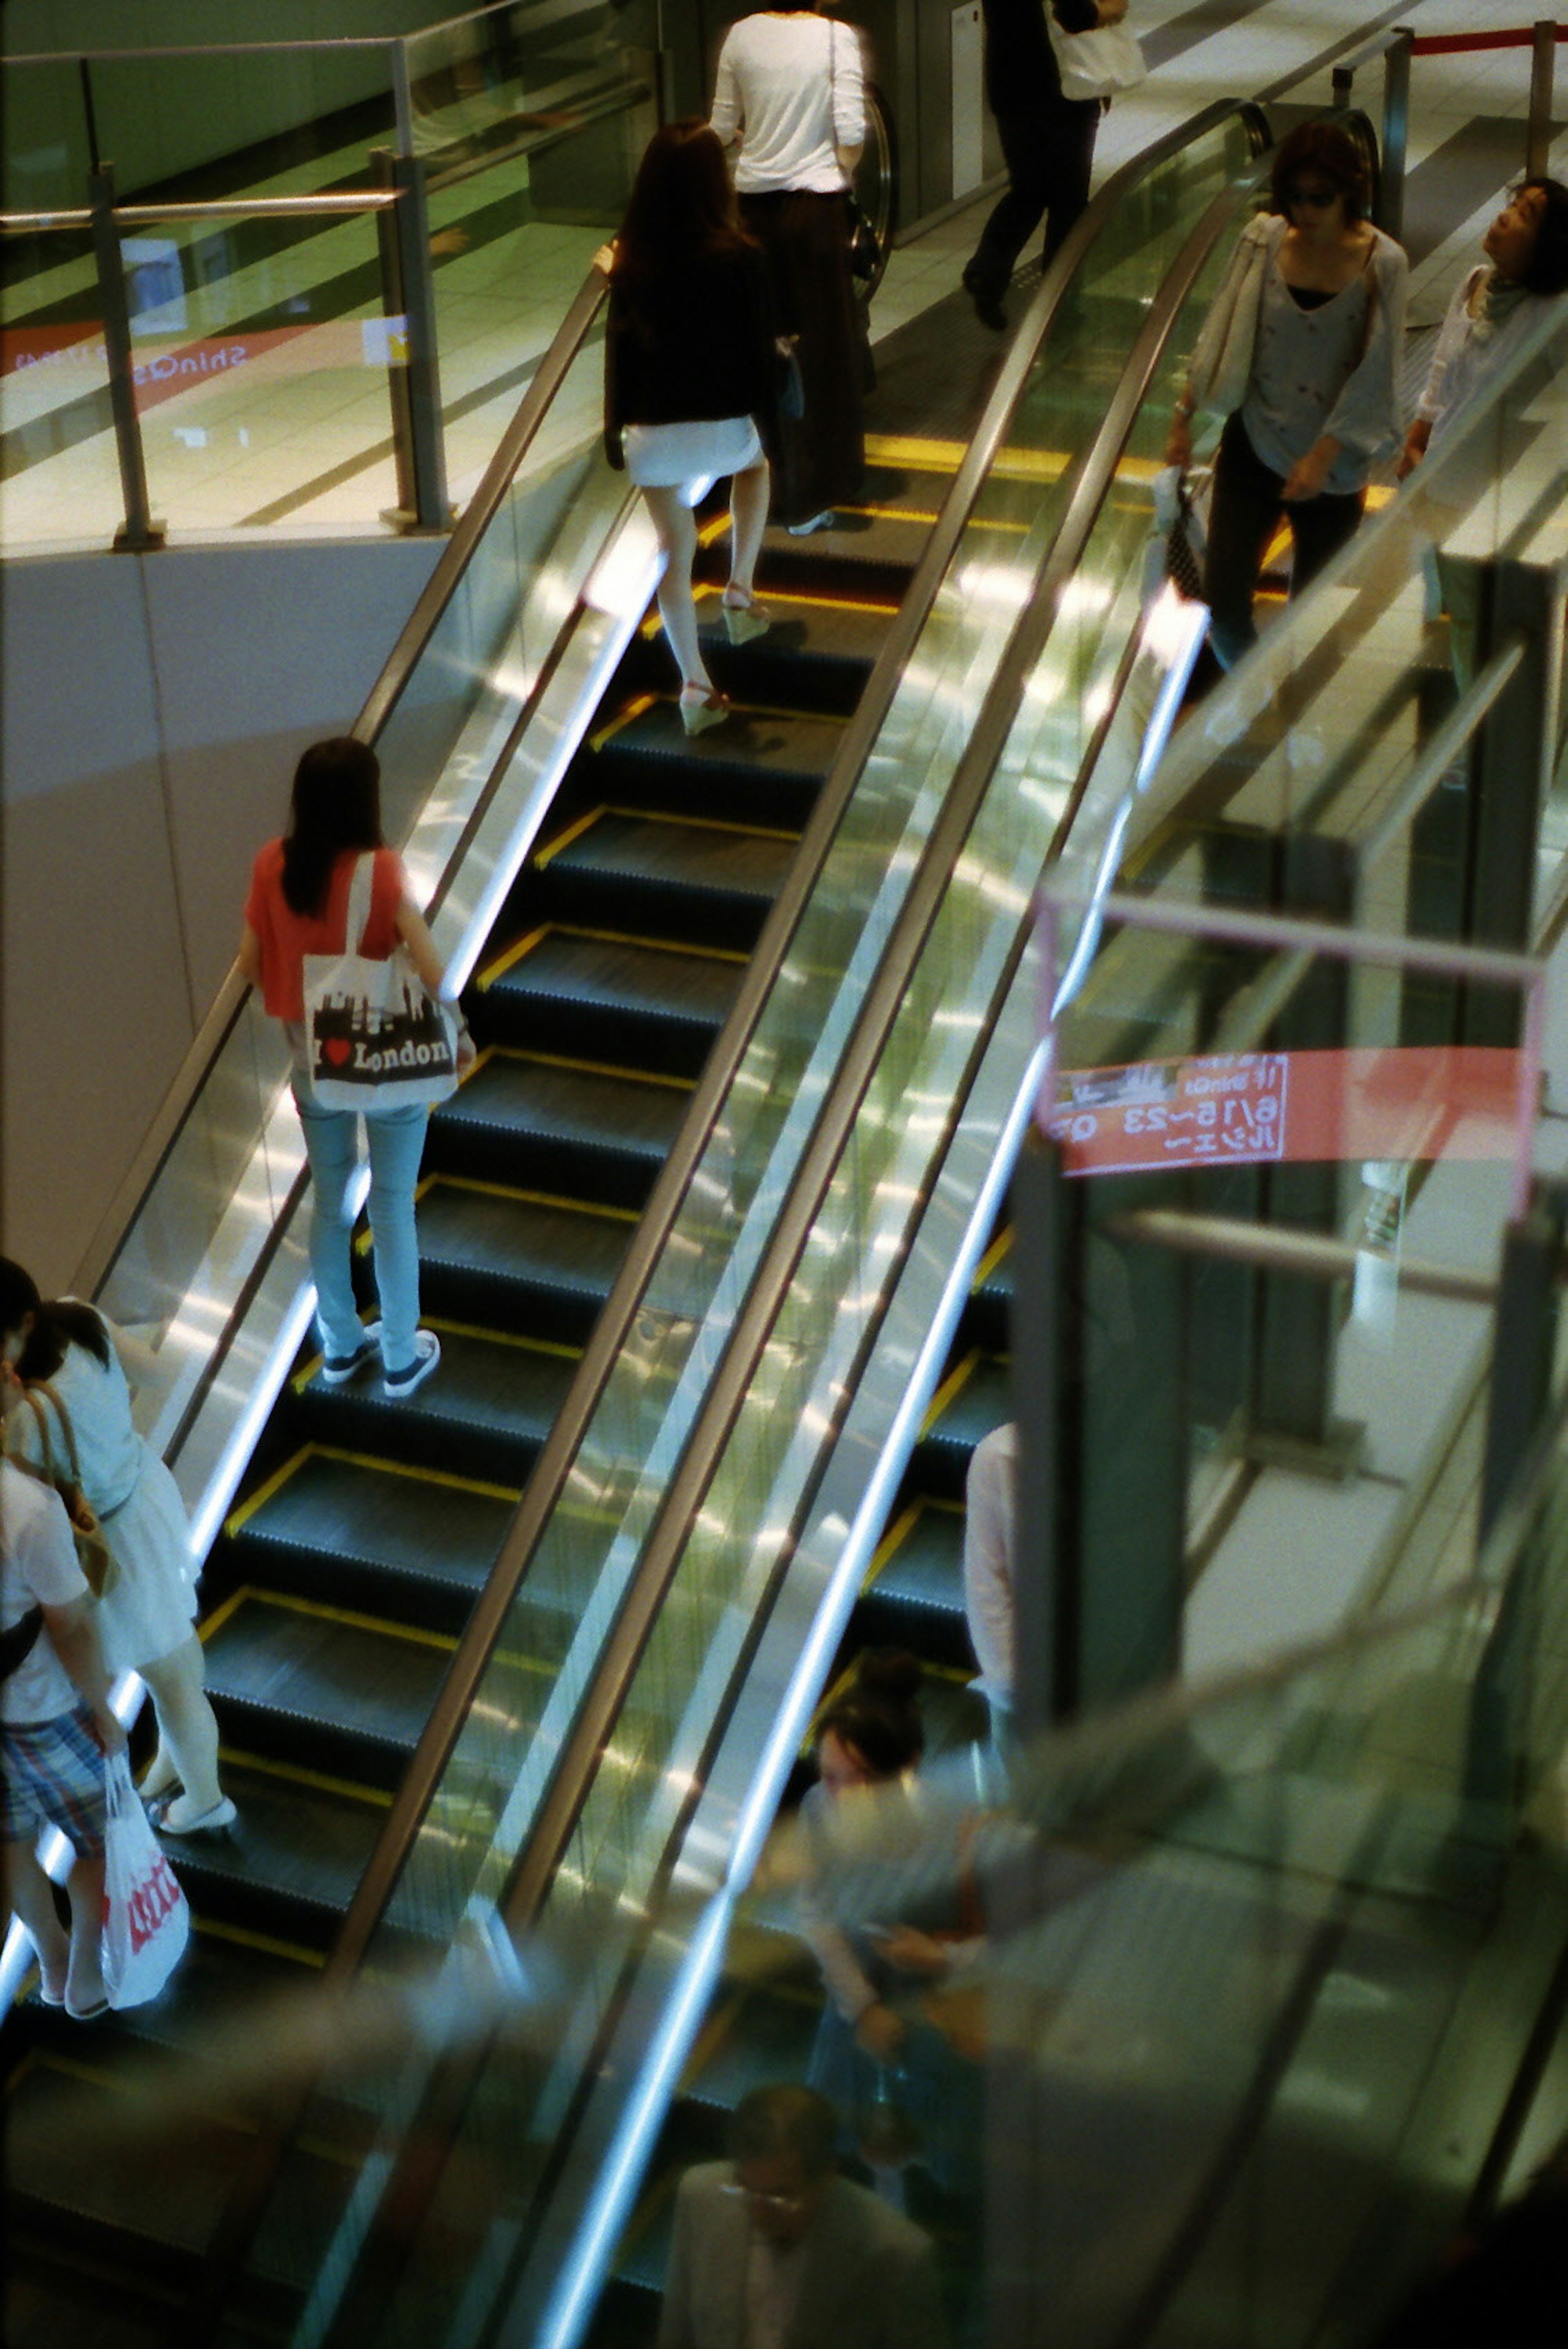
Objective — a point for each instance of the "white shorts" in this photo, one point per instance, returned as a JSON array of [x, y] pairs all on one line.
[[665, 456]]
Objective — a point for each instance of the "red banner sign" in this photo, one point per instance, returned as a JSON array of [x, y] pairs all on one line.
[[1248, 1109]]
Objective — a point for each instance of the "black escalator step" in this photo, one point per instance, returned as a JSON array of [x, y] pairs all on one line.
[[639, 1006], [988, 1316], [920, 1570], [371, 1536], [751, 2040], [762, 767], [537, 1267], [285, 1871], [690, 882], [817, 655], [869, 556], [483, 1413], [216, 1989], [317, 1688], [977, 1397], [577, 1132]]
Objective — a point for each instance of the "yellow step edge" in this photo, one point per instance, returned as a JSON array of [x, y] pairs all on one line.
[[262, 1596], [542, 857], [264, 1492], [897, 1534], [596, 1068], [514, 954], [992, 1258], [239, 1757], [243, 1938], [550, 1346], [706, 823], [772, 597], [221, 1614], [531, 1199], [651, 946], [634, 709], [417, 1474], [951, 1385]]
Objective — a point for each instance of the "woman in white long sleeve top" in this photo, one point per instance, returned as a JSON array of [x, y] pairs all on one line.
[[790, 91]]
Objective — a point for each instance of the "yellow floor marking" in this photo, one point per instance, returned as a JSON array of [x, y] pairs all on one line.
[[772, 597], [286, 1600], [514, 954], [543, 856], [950, 1387], [239, 1758], [707, 823], [503, 1338], [274, 1483], [993, 1257], [598, 1069], [537, 1199]]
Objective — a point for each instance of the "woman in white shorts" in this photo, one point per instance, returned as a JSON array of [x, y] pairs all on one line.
[[691, 373]]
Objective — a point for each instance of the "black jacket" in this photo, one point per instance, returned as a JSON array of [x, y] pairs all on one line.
[[1020, 63], [697, 344]]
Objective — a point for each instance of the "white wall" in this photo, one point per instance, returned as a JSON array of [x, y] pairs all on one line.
[[153, 710]]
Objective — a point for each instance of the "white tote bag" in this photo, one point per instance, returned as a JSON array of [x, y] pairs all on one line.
[[376, 1037], [1099, 64], [146, 1920]]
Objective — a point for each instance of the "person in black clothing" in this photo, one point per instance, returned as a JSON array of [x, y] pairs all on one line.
[[1047, 141], [692, 372]]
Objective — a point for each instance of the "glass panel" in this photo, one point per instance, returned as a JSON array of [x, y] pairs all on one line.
[[45, 158], [213, 122], [182, 1262], [530, 132], [59, 470]]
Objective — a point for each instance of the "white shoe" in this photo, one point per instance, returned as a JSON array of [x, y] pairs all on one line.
[[395, 1384], [822, 521]]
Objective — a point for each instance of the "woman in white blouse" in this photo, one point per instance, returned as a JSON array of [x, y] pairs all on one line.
[[790, 92]]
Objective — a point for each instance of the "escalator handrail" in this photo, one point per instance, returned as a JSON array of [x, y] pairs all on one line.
[[170, 1118]]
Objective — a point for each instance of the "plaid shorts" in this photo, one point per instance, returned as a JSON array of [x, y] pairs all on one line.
[[54, 1776]]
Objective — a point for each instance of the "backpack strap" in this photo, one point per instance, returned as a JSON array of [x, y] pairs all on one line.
[[18, 1640]]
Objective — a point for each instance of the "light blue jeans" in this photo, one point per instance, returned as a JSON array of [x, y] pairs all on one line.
[[397, 1139]]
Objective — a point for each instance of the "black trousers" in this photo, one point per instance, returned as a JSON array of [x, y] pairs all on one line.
[[1048, 146], [1242, 518]]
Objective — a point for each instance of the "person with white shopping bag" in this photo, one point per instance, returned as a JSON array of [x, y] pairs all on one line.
[[344, 959], [56, 1730]]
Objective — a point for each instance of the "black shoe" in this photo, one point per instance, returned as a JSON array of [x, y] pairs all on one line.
[[986, 295]]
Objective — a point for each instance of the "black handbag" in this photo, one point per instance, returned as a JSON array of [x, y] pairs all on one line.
[[864, 252]]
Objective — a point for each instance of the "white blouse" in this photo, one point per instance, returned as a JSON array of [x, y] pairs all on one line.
[[792, 89]]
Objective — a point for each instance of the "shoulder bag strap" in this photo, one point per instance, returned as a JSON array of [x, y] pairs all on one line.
[[361, 890], [66, 1429], [41, 1418]]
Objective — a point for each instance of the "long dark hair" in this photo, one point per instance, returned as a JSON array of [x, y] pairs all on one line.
[[681, 204], [56, 1325], [877, 1713], [1333, 153], [336, 804], [1546, 271]]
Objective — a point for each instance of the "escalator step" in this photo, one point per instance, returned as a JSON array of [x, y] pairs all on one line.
[[484, 1412], [579, 1133], [683, 880], [980, 1398], [923, 1569], [409, 1527], [870, 554], [286, 1871], [315, 1687], [641, 1006], [761, 767], [536, 1266]]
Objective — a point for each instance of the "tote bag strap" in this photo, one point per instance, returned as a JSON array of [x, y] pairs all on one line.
[[67, 1430], [41, 1419], [360, 891]]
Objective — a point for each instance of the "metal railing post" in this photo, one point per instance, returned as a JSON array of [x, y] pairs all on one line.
[[138, 532], [414, 388], [1390, 209], [1542, 63]]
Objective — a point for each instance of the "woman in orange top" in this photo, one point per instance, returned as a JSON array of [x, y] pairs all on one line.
[[298, 905]]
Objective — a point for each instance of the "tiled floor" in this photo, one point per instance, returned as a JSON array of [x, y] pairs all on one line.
[[299, 439]]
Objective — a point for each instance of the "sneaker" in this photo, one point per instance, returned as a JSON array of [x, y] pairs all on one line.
[[822, 521], [335, 1368], [395, 1384]]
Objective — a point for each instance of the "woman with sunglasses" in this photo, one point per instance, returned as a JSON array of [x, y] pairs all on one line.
[[1300, 353]]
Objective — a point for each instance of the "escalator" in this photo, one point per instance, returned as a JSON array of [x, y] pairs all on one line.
[[420, 1675]]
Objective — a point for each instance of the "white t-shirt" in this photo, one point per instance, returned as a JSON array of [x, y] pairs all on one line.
[[988, 1596], [794, 87], [37, 1563]]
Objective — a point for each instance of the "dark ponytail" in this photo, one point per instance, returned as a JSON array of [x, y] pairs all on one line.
[[60, 1323], [879, 1714]]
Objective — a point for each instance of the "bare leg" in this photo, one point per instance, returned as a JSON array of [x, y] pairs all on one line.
[[187, 1728], [749, 493], [677, 531], [84, 1891], [32, 1897]]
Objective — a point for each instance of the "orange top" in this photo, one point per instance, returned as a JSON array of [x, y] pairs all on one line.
[[286, 938]]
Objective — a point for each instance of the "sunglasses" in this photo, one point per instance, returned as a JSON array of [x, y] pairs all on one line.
[[1319, 198]]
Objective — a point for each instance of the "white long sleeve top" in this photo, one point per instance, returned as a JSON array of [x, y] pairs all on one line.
[[988, 1597], [792, 89]]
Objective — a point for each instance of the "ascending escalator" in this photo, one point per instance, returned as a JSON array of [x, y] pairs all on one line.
[[360, 1592]]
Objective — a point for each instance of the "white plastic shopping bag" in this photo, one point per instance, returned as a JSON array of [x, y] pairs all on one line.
[[376, 1038], [146, 1920]]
